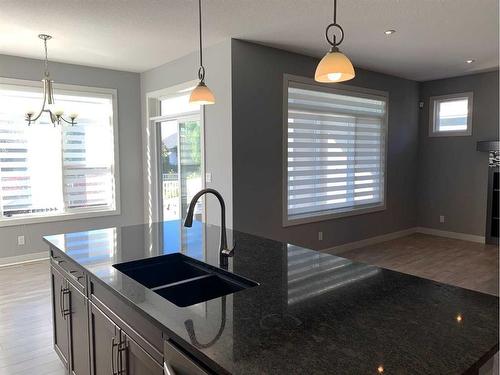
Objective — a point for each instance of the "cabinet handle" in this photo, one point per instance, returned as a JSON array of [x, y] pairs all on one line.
[[64, 312], [113, 346], [61, 302], [122, 351], [167, 369], [74, 277]]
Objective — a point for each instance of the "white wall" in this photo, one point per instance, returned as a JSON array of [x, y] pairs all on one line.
[[129, 133], [218, 133]]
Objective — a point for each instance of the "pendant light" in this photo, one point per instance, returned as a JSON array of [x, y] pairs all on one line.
[[334, 66], [48, 95], [201, 94]]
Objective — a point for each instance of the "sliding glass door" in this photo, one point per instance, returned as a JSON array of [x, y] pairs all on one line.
[[175, 161], [180, 166]]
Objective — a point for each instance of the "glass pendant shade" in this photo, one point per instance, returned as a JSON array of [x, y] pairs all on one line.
[[334, 67], [202, 95]]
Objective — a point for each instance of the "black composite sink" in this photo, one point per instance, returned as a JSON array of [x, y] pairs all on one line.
[[182, 280], [162, 270]]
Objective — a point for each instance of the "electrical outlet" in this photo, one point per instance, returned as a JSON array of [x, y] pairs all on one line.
[[20, 240], [441, 218], [320, 236], [208, 177]]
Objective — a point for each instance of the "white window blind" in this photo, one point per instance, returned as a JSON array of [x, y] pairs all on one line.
[[335, 157], [48, 170]]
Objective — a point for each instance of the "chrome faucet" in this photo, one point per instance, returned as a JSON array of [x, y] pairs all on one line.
[[225, 252]]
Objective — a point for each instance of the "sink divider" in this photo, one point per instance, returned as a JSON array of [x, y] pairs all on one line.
[[182, 281]]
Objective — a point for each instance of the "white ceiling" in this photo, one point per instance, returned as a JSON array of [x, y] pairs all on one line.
[[433, 38]]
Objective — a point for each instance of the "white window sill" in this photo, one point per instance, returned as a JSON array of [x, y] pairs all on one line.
[[9, 222], [312, 218], [465, 133]]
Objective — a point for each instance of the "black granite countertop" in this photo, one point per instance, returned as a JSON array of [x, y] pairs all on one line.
[[312, 313]]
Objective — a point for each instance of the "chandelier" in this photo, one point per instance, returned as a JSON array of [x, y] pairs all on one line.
[[48, 96]]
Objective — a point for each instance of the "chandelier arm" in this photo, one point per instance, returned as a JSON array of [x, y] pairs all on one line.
[[72, 122], [35, 118]]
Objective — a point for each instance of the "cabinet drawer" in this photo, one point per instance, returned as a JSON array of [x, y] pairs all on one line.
[[143, 331], [70, 270]]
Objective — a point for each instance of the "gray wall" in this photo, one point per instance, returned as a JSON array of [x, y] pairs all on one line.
[[218, 147], [452, 175], [127, 85], [257, 77]]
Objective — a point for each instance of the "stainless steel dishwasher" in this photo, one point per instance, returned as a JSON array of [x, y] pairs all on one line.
[[176, 362]]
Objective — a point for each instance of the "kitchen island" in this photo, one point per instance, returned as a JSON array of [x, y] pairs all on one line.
[[312, 313]]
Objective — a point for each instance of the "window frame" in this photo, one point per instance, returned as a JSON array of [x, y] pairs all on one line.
[[79, 213], [433, 114], [336, 89]]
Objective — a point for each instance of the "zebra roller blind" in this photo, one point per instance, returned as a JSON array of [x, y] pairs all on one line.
[[335, 151], [48, 170]]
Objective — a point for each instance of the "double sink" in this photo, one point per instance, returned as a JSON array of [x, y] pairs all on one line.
[[183, 280]]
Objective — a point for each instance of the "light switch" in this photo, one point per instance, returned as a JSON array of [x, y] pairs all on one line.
[[20, 240], [208, 177]]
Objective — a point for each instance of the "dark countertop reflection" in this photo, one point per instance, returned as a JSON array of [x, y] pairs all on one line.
[[312, 313]]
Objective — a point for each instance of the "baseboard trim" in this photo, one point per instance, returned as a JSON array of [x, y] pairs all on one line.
[[368, 241], [26, 258], [393, 235], [448, 234]]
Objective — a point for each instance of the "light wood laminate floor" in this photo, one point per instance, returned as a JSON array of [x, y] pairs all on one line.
[[465, 264], [26, 321]]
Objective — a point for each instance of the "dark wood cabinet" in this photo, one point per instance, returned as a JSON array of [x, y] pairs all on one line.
[[78, 332], [59, 315], [97, 334], [105, 338], [113, 352], [70, 320], [135, 360]]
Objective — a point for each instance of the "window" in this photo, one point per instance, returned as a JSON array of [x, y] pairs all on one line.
[[50, 171], [335, 151], [451, 115]]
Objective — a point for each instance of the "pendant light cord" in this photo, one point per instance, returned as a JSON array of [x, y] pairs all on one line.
[[335, 41], [201, 71], [334, 11], [334, 19]]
